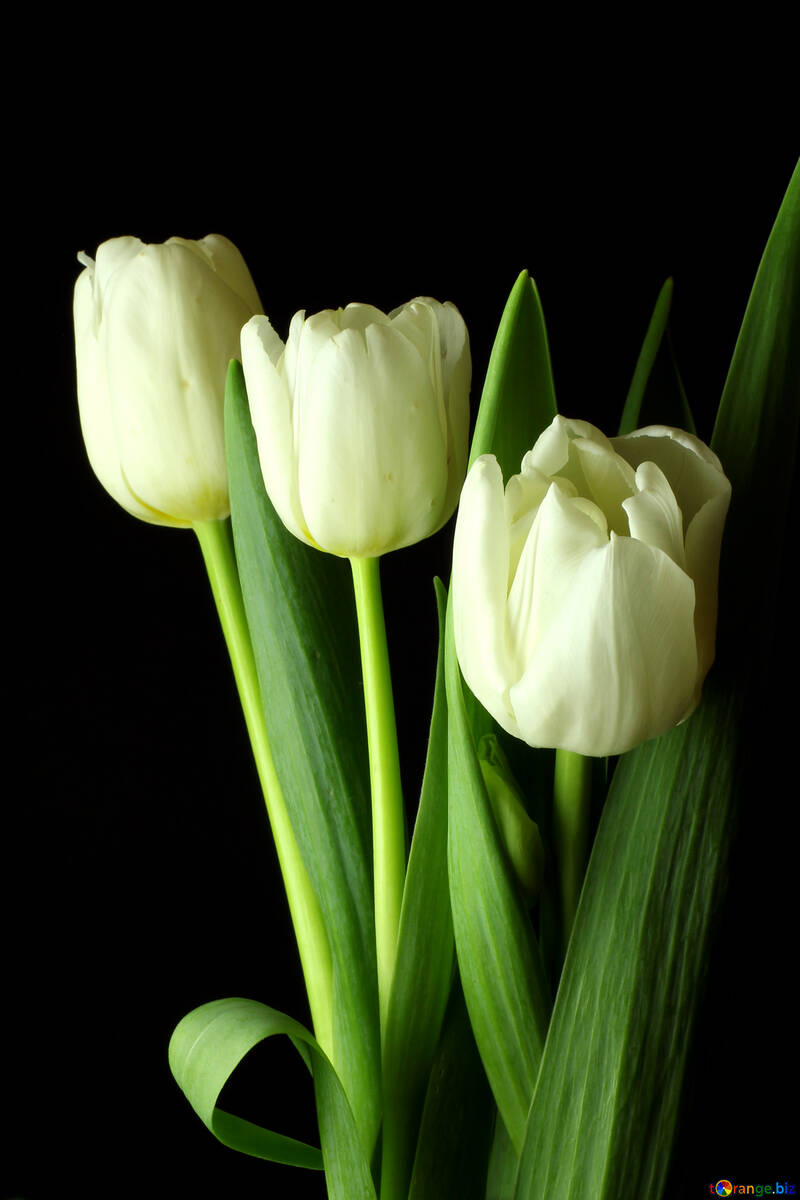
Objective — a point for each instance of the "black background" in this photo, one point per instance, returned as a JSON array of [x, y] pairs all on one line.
[[142, 881]]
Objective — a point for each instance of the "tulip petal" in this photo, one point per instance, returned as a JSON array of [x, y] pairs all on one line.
[[603, 477], [551, 452], [271, 414], [562, 534], [168, 380], [417, 322], [618, 663], [654, 515], [456, 379], [94, 406], [703, 545], [359, 316], [480, 571], [371, 443], [112, 257], [703, 493], [524, 493], [694, 472], [227, 261]]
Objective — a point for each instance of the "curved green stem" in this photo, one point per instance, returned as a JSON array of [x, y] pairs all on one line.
[[216, 543], [572, 786], [388, 819]]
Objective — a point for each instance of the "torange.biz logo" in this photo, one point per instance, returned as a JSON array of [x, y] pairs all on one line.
[[724, 1187]]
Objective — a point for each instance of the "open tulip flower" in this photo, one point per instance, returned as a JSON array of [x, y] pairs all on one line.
[[585, 595], [155, 329], [361, 420]]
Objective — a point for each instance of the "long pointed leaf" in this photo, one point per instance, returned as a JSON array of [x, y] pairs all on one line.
[[498, 958], [656, 395], [518, 399], [454, 1139], [301, 616], [425, 952]]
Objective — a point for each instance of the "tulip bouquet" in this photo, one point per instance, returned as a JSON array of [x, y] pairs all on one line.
[[501, 1003]]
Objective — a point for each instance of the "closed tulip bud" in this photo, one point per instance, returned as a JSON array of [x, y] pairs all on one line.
[[155, 329], [585, 593], [361, 421]]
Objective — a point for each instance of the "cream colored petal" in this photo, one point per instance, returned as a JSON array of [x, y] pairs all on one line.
[[454, 340], [551, 452], [618, 664], [524, 493], [271, 414], [359, 316], [417, 321], [94, 405], [694, 472], [654, 515], [456, 380], [703, 493], [307, 337], [112, 257], [229, 264], [480, 570], [602, 477], [562, 534], [172, 328], [371, 449], [292, 349], [440, 335]]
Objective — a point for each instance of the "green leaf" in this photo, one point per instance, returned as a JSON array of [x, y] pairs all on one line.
[[453, 1147], [656, 395], [301, 615], [603, 1116], [501, 1179], [518, 399], [204, 1051], [425, 955], [755, 436], [498, 957]]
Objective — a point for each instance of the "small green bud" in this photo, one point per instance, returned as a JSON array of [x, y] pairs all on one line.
[[520, 835]]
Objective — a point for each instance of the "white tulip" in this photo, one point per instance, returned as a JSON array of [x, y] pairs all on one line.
[[585, 593], [361, 421], [155, 329]]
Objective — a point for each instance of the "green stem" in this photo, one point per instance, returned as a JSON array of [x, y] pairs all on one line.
[[388, 820], [216, 543], [572, 786]]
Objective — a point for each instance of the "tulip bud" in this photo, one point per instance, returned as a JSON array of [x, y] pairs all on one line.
[[155, 329], [361, 421], [585, 594], [520, 834]]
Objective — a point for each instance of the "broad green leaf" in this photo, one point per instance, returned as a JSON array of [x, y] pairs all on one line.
[[756, 432], [453, 1147], [501, 1179], [301, 615], [207, 1047], [604, 1112], [656, 395], [425, 955], [518, 399], [498, 957]]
